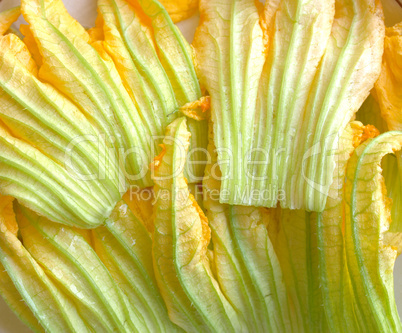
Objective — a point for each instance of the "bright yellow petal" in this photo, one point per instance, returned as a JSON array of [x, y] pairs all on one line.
[[243, 258], [180, 10], [29, 41], [17, 53], [140, 202], [7, 18], [388, 87], [40, 183], [96, 33]]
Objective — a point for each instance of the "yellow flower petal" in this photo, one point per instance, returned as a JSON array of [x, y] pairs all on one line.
[[155, 64], [7, 18], [244, 260], [371, 247], [42, 122], [181, 238], [140, 202], [125, 247], [13, 299], [388, 87], [296, 66], [70, 261], [180, 10], [72, 65], [54, 310]]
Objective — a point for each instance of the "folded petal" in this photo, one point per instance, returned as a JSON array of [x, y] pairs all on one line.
[[76, 68], [40, 116], [283, 139], [181, 237], [55, 311], [140, 202], [371, 247], [347, 73], [180, 10], [15, 302], [46, 187], [125, 247], [7, 288], [245, 263], [387, 88], [7, 18], [70, 261], [298, 34], [229, 53], [155, 64], [337, 296]]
